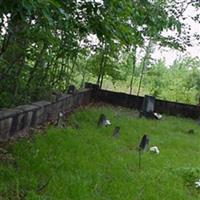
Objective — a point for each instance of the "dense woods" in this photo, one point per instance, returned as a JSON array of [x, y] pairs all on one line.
[[47, 45]]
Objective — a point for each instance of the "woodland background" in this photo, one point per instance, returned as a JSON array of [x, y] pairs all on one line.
[[46, 45]]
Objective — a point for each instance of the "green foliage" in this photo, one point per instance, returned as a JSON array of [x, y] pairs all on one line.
[[179, 82], [41, 42]]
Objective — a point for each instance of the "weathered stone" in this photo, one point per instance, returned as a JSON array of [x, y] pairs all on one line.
[[55, 109], [143, 143], [8, 113], [116, 131], [63, 99], [41, 115], [26, 117], [8, 123], [103, 121], [71, 89], [76, 100], [55, 96], [16, 122], [69, 103], [60, 122], [148, 104], [5, 127], [148, 107], [87, 96], [83, 96]]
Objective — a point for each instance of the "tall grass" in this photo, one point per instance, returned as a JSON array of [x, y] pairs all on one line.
[[89, 164]]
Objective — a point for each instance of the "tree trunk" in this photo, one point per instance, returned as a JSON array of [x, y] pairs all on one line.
[[101, 65], [103, 71], [100, 68], [37, 64], [144, 64], [14, 52], [133, 69]]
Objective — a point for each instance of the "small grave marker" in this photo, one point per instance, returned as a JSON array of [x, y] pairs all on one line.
[[71, 89], [142, 146], [149, 104], [148, 108], [191, 132], [116, 131], [143, 143], [103, 121], [60, 120]]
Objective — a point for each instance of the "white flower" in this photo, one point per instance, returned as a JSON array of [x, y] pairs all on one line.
[[107, 122], [60, 114], [154, 149], [157, 115]]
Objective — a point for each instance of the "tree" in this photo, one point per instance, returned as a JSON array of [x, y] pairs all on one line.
[[41, 43]]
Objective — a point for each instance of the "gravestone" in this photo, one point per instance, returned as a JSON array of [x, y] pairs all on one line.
[[60, 120], [116, 131], [144, 143], [142, 146], [148, 106], [103, 121], [71, 89], [191, 131]]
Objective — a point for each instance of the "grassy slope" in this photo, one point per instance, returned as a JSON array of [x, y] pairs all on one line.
[[88, 164]]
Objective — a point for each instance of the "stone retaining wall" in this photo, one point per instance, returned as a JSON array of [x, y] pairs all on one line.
[[17, 121]]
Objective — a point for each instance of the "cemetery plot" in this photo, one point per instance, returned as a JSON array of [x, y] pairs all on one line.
[[101, 162]]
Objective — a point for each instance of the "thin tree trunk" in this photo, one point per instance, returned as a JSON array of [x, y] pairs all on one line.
[[133, 69], [101, 65], [100, 68], [144, 64], [83, 75], [103, 72], [37, 63]]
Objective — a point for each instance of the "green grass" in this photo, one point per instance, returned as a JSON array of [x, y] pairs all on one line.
[[88, 164]]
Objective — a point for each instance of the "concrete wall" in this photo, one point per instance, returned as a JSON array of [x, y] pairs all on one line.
[[161, 106], [17, 121]]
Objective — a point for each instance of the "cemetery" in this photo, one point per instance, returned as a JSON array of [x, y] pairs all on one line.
[[99, 100], [97, 144]]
